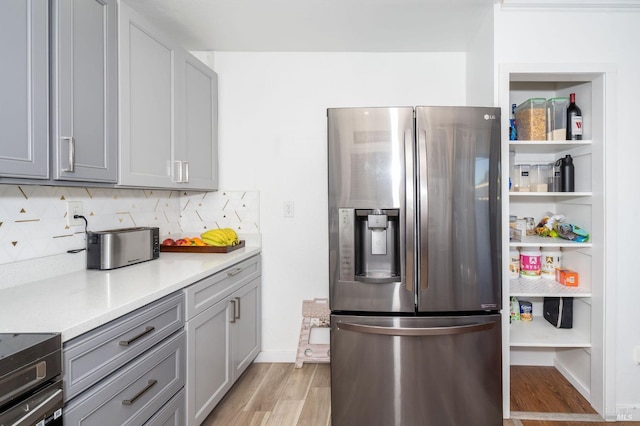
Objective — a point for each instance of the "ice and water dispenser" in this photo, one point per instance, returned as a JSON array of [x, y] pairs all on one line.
[[370, 245]]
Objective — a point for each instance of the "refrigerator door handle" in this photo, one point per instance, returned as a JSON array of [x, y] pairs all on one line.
[[410, 227], [421, 206], [410, 331]]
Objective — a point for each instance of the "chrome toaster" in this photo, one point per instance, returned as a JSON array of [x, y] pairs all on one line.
[[122, 247]]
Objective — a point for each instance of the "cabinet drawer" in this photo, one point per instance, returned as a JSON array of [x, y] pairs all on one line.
[[135, 393], [211, 290], [94, 355], [172, 414]]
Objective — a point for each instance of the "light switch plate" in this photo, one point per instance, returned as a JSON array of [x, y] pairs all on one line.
[[636, 354], [287, 208]]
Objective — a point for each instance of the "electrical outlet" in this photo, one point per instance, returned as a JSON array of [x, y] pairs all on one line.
[[287, 207], [74, 208]]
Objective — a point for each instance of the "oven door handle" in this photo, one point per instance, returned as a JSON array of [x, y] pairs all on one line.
[[42, 409], [414, 331]]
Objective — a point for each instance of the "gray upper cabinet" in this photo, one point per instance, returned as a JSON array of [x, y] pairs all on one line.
[[84, 90], [147, 94], [24, 89], [168, 110], [200, 129]]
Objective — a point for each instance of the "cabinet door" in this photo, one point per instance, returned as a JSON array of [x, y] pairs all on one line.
[[24, 89], [85, 91], [147, 96], [199, 124], [246, 331], [134, 393], [172, 414], [208, 358]]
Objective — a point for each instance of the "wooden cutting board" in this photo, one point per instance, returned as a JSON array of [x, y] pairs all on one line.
[[201, 249]]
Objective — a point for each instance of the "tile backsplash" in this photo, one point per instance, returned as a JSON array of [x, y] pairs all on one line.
[[33, 218]]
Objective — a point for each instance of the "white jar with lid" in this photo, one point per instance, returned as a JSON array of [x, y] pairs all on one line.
[[551, 259], [514, 263], [530, 259]]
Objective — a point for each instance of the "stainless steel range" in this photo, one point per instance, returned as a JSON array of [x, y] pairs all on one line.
[[30, 379]]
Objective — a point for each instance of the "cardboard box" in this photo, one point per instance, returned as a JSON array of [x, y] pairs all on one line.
[[567, 277]]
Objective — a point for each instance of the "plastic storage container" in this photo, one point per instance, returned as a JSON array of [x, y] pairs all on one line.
[[551, 260], [514, 263], [531, 120], [539, 178], [557, 119], [522, 181], [530, 258]]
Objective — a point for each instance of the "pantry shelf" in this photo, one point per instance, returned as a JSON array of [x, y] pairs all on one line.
[[543, 287], [539, 333], [553, 147], [551, 194], [536, 241]]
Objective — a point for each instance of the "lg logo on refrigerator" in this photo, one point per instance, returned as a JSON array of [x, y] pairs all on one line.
[[489, 117]]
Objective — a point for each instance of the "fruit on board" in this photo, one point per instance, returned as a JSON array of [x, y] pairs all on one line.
[[195, 241], [220, 237], [182, 242], [169, 242]]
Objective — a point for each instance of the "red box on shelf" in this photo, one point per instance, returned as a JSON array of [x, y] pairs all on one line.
[[567, 277]]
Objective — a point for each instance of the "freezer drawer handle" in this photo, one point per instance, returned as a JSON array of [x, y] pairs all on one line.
[[428, 331]]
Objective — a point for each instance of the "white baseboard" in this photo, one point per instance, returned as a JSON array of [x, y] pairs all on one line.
[[584, 391], [276, 356]]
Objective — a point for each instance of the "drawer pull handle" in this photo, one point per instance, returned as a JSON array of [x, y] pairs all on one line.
[[233, 272], [233, 316], [139, 394], [238, 299], [147, 330]]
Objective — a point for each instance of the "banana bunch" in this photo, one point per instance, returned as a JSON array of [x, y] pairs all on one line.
[[220, 237]]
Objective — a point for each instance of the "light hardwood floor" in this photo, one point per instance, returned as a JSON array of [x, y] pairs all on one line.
[[282, 395], [277, 395]]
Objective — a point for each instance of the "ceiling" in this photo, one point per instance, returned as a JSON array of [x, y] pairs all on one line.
[[319, 25]]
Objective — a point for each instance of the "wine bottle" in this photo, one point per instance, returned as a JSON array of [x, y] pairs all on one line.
[[574, 120]]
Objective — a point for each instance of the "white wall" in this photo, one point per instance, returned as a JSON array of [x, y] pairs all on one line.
[[608, 37], [273, 136], [480, 78]]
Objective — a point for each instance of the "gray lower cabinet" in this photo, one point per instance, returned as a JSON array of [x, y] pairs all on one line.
[[246, 329], [172, 414], [126, 371], [223, 334], [135, 393], [24, 89]]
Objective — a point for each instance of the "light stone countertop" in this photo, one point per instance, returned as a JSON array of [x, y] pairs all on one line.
[[75, 303]]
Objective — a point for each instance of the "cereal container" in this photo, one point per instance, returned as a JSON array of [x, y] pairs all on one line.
[[557, 119], [531, 120]]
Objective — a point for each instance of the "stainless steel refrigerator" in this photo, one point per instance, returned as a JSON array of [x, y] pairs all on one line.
[[414, 259]]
